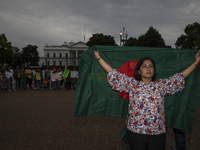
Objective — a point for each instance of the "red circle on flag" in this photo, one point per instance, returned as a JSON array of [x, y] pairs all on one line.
[[128, 69]]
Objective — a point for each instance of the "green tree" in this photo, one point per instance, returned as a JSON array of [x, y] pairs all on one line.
[[131, 41], [140, 40], [100, 39], [16, 50], [17, 57], [197, 42], [6, 51], [152, 38], [30, 54], [189, 40]]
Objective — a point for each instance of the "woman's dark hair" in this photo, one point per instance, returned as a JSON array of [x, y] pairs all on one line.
[[140, 62]]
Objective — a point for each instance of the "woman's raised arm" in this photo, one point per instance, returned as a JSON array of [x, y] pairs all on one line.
[[103, 64], [191, 68]]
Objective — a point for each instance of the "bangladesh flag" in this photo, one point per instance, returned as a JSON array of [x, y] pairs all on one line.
[[94, 96]]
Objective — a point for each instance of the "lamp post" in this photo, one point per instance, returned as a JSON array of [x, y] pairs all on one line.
[[123, 37]]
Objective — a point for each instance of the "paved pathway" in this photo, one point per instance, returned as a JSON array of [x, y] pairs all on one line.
[[41, 120]]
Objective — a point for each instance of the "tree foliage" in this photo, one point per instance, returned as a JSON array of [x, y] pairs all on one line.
[[16, 50], [131, 41], [190, 39], [17, 57], [197, 42], [6, 51], [140, 40], [152, 38], [100, 39], [30, 54]]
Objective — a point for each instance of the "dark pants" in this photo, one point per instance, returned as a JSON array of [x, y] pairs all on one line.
[[29, 82], [179, 136], [55, 85], [17, 83], [146, 142], [180, 139], [48, 82], [23, 85]]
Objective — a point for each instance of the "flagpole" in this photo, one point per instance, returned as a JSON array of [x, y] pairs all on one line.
[[84, 35]]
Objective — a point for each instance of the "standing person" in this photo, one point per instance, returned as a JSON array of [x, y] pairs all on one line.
[[74, 80], [62, 82], [48, 75], [38, 78], [33, 77], [11, 70], [67, 79], [23, 79], [17, 77], [3, 79], [55, 83], [28, 77], [146, 121], [52, 83], [59, 81], [42, 76], [9, 78]]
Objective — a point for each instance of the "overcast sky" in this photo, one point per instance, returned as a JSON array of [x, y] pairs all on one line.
[[52, 22]]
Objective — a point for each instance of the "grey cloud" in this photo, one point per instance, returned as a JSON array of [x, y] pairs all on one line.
[[53, 22]]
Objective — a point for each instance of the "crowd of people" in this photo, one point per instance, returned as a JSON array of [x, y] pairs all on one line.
[[28, 78]]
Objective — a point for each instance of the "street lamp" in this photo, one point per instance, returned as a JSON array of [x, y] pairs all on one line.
[[123, 37]]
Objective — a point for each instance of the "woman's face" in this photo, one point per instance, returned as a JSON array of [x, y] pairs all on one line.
[[146, 70]]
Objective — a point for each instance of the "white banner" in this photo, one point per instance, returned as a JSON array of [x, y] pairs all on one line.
[[74, 74], [56, 76]]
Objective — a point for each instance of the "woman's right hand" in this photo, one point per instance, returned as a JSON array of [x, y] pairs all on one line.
[[96, 54]]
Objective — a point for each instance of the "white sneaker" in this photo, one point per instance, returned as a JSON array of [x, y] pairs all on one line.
[[35, 88], [8, 90]]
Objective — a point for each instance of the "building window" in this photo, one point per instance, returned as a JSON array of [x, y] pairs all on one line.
[[47, 54], [60, 63], [60, 54], [66, 55], [54, 63], [54, 54]]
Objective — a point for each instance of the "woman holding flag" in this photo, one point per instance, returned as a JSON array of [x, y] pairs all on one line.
[[146, 121]]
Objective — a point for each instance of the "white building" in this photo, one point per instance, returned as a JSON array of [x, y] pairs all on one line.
[[64, 55]]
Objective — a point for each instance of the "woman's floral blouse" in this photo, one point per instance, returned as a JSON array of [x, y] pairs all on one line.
[[146, 102]]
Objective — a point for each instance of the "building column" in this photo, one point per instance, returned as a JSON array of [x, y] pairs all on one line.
[[69, 60], [76, 57]]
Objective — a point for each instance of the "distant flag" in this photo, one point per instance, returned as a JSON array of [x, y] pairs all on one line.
[[66, 73]]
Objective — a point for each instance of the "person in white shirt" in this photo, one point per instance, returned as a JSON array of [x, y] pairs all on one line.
[[9, 78]]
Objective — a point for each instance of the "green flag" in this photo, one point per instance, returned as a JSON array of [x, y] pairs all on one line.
[[66, 73], [94, 96]]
